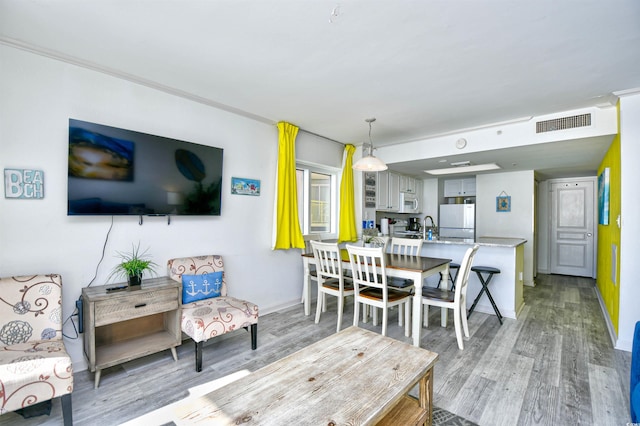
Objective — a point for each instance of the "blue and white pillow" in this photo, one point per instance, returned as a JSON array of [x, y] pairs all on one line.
[[200, 287]]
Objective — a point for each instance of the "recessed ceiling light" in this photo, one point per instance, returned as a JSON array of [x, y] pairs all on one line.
[[467, 169]]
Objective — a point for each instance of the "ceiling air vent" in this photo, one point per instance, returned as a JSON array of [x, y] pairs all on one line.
[[582, 120]]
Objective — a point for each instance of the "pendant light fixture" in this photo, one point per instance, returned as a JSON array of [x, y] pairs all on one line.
[[369, 163]]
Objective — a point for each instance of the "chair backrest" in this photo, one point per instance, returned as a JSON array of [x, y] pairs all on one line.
[[327, 258], [462, 279], [30, 308], [197, 265], [368, 267], [406, 246]]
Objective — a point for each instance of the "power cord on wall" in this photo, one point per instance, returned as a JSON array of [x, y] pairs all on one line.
[[78, 311]]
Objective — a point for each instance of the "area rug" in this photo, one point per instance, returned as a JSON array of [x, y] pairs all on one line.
[[445, 418]]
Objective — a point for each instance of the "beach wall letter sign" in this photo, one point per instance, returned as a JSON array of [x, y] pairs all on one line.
[[23, 183]]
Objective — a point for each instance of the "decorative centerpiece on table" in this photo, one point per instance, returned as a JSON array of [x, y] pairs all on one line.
[[368, 236], [134, 264]]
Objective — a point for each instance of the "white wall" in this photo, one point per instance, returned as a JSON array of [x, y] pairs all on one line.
[[629, 312], [517, 223], [37, 97]]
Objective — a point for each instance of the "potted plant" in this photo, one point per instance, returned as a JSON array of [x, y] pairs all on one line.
[[134, 264], [368, 235]]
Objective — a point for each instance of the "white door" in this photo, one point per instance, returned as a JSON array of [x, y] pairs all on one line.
[[572, 227]]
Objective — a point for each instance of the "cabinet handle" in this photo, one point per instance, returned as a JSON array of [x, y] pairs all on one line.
[[140, 305]]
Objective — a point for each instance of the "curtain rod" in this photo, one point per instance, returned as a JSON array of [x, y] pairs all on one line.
[[320, 136]]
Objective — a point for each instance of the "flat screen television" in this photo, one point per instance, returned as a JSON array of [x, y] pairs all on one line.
[[114, 171]]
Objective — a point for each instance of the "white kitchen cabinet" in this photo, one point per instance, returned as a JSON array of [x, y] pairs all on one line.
[[408, 184], [460, 187], [388, 192], [419, 188]]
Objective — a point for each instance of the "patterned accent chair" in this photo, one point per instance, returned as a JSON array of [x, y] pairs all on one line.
[[34, 365], [204, 319]]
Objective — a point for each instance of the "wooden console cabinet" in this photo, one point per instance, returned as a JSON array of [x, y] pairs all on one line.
[[125, 325]]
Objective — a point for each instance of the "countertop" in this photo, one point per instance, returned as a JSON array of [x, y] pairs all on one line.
[[481, 241]]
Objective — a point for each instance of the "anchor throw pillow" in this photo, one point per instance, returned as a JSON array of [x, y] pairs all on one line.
[[200, 287]]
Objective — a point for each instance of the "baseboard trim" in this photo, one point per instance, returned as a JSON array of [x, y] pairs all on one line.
[[607, 317]]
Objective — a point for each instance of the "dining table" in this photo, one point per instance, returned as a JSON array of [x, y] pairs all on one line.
[[415, 268], [353, 377]]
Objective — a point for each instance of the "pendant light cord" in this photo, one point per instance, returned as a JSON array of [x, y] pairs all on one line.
[[370, 121]]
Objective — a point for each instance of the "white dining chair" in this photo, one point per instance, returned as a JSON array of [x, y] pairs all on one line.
[[404, 247], [330, 277], [456, 299], [370, 285]]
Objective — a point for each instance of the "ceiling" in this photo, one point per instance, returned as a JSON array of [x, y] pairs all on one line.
[[422, 68]]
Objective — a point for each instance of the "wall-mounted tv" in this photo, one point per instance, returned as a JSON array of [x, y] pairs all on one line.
[[115, 171]]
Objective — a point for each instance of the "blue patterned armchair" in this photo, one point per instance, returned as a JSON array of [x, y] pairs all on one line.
[[34, 365]]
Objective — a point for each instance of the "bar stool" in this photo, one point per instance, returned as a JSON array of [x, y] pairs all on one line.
[[479, 270]]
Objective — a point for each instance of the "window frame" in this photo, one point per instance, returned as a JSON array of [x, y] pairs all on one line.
[[305, 215]]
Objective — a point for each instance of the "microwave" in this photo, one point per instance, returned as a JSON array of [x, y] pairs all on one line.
[[409, 203]]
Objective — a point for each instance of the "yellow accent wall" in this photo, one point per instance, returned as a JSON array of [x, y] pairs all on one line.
[[609, 235]]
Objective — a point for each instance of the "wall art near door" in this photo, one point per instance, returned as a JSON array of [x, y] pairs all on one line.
[[242, 186], [503, 202], [603, 197]]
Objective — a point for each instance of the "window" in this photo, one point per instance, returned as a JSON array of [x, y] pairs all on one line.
[[317, 199]]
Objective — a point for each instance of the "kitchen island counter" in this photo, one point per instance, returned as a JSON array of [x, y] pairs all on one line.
[[506, 254], [482, 241]]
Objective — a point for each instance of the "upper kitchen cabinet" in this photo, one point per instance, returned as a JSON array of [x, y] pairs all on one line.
[[388, 192], [408, 184], [460, 187]]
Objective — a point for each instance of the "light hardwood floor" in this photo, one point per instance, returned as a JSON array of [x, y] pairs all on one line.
[[555, 365]]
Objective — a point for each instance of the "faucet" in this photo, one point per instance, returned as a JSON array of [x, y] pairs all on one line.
[[424, 227]]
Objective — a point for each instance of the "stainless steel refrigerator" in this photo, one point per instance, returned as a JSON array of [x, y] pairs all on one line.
[[458, 221]]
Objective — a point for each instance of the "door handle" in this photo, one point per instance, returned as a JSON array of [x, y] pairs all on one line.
[[589, 234]]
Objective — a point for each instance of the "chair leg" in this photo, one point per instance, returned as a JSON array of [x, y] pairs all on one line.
[[340, 308], [254, 336], [407, 319], [356, 312], [198, 357], [319, 306], [67, 412], [425, 316], [400, 314], [465, 323], [456, 322], [385, 319]]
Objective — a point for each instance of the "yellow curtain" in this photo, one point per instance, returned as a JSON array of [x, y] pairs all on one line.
[[347, 222], [287, 233]]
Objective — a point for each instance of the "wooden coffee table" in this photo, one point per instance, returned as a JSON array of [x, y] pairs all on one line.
[[352, 377]]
